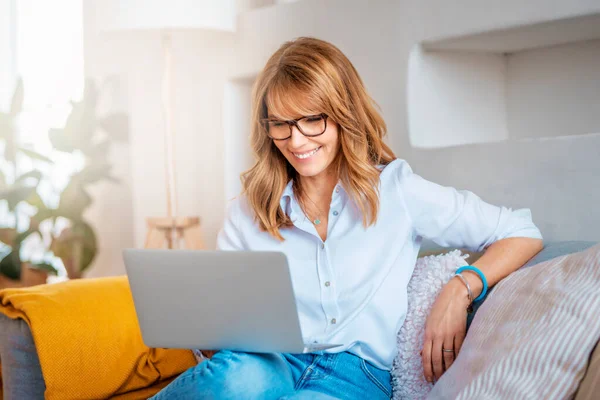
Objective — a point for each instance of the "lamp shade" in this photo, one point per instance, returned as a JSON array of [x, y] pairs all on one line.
[[133, 15]]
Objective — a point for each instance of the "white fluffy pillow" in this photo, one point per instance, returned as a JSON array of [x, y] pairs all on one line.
[[430, 275]]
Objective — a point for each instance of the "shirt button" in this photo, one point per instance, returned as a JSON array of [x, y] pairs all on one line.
[[333, 321], [322, 245], [335, 213], [327, 284], [337, 189]]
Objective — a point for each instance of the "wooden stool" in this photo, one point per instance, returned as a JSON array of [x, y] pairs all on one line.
[[160, 231]]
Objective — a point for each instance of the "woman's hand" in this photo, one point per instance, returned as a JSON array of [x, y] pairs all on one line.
[[209, 353], [445, 329]]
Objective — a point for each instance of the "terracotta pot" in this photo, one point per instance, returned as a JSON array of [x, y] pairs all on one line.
[[29, 277]]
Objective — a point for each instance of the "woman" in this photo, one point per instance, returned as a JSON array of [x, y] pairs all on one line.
[[328, 192]]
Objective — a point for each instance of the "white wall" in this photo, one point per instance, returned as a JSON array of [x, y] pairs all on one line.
[[461, 97], [200, 76], [238, 153], [554, 91], [243, 6], [456, 98], [135, 15]]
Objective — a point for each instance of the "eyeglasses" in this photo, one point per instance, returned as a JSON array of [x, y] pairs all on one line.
[[310, 126]]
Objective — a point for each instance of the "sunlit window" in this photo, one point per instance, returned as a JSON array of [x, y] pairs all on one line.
[[49, 58], [46, 51]]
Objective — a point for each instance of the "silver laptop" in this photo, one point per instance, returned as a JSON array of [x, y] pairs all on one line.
[[213, 300]]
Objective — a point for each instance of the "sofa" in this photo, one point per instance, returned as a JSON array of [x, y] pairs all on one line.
[[21, 367]]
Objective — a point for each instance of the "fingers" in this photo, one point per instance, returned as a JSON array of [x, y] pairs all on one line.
[[448, 356], [437, 359], [426, 356], [209, 353]]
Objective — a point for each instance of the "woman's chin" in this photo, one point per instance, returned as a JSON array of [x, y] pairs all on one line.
[[309, 170]]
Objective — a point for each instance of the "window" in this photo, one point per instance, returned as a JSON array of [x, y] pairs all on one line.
[[49, 59], [42, 43]]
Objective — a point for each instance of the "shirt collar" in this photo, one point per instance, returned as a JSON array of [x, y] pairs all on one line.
[[288, 191], [291, 208], [286, 199]]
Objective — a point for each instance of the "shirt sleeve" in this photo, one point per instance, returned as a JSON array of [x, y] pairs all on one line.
[[459, 218], [230, 236]]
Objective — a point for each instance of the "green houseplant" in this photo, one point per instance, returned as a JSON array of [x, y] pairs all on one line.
[[85, 136]]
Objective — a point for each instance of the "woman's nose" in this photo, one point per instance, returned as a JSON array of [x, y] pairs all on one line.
[[297, 139]]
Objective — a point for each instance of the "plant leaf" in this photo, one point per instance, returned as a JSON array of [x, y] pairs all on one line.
[[93, 173], [81, 125], [46, 267], [34, 173], [35, 155], [49, 262], [98, 154], [76, 246], [36, 200], [10, 265], [79, 129], [42, 214], [116, 126], [60, 140], [114, 180], [16, 194], [16, 105], [73, 201], [83, 230], [22, 236], [10, 150], [2, 180], [5, 126]]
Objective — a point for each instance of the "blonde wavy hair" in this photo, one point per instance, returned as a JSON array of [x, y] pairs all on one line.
[[307, 76]]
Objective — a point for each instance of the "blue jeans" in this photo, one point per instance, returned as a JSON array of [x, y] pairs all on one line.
[[238, 375]]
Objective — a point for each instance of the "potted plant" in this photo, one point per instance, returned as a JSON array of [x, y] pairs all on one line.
[[84, 136]]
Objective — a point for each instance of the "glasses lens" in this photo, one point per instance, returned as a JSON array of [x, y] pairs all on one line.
[[310, 126], [278, 129], [313, 125]]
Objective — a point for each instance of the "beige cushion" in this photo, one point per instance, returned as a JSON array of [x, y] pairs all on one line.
[[533, 336], [589, 389]]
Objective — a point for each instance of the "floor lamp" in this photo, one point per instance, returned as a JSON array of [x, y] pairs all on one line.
[[168, 17]]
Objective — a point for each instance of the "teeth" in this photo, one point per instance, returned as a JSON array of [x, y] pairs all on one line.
[[306, 155]]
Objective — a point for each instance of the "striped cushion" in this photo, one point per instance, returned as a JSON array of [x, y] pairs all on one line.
[[533, 336]]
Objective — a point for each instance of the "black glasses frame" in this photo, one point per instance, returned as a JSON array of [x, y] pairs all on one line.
[[294, 122]]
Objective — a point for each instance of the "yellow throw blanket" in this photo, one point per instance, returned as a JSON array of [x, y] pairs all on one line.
[[88, 340]]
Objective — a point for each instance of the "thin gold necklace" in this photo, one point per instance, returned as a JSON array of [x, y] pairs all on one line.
[[316, 221]]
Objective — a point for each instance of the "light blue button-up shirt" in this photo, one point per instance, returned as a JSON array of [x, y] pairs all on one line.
[[352, 288]]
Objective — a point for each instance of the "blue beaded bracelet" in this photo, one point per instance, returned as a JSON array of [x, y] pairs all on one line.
[[481, 275]]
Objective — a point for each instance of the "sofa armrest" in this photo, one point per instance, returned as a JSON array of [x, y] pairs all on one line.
[[590, 385], [21, 372], [88, 340]]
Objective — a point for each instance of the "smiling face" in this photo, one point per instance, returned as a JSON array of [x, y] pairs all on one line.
[[308, 76], [310, 156]]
